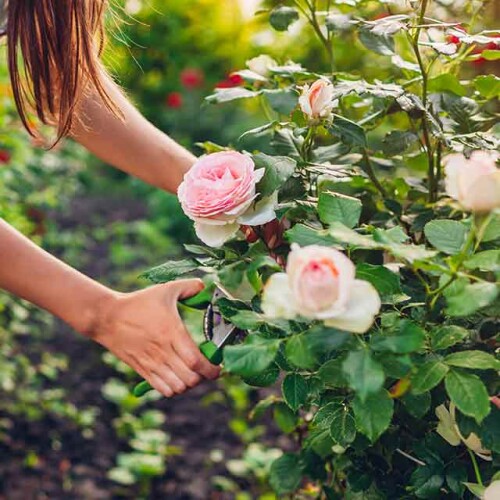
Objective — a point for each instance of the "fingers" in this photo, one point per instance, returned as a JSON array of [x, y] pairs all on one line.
[[189, 377], [158, 384], [188, 351], [184, 289]]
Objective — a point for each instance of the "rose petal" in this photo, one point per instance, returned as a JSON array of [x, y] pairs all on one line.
[[362, 307], [277, 299], [446, 426], [261, 213], [215, 235], [483, 194]]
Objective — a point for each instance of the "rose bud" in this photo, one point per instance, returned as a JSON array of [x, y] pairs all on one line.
[[316, 100], [218, 193], [320, 284], [474, 182], [261, 65]]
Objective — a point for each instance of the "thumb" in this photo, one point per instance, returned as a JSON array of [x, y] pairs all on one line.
[[184, 289]]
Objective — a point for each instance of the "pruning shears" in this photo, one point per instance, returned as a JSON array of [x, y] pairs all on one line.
[[217, 330]]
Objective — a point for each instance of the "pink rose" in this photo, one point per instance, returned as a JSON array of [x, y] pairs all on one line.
[[474, 182], [320, 283], [316, 100], [218, 194]]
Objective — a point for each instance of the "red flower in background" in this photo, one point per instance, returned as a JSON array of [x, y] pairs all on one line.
[[489, 46], [4, 156], [192, 78], [230, 82], [174, 100]]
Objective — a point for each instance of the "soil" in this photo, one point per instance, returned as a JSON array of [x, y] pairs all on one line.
[[71, 466]]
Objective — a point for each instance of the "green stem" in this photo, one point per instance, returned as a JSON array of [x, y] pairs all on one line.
[[371, 173], [425, 120], [313, 21], [479, 479]]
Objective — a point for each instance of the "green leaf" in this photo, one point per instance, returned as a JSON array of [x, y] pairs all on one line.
[[278, 169], [428, 376], [427, 482], [492, 231], [295, 390], [373, 415], [398, 141], [466, 300], [417, 404], [331, 373], [285, 418], [447, 82], [170, 271], [489, 260], [230, 94], [386, 282], [247, 320], [490, 55], [382, 44], [468, 393], [334, 207], [456, 475], [264, 379], [409, 337], [285, 474], [307, 349], [476, 489], [447, 236], [251, 358], [298, 354], [282, 17], [305, 235], [364, 374], [342, 426], [488, 86], [475, 360], [349, 132], [282, 101], [348, 237], [447, 336]]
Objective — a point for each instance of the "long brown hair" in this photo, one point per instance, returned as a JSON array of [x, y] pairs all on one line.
[[53, 52]]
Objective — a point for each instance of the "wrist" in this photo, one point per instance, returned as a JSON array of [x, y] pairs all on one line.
[[94, 312]]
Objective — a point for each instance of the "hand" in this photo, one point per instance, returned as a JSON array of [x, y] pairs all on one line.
[[145, 331]]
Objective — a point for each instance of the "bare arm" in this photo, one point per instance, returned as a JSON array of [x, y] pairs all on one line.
[[133, 144], [142, 328]]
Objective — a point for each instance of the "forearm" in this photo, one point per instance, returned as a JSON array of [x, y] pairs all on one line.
[[31, 273], [131, 143]]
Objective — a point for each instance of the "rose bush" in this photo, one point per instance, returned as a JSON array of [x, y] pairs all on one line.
[[361, 249]]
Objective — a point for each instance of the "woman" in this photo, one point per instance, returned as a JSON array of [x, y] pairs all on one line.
[[53, 55]]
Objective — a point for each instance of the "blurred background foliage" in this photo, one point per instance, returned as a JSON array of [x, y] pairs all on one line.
[[68, 425]]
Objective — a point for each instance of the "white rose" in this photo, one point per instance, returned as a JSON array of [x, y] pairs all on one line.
[[474, 182], [320, 283]]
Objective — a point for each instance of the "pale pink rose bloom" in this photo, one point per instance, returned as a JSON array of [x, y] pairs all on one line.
[[316, 100], [320, 283], [492, 492], [474, 182], [218, 194]]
